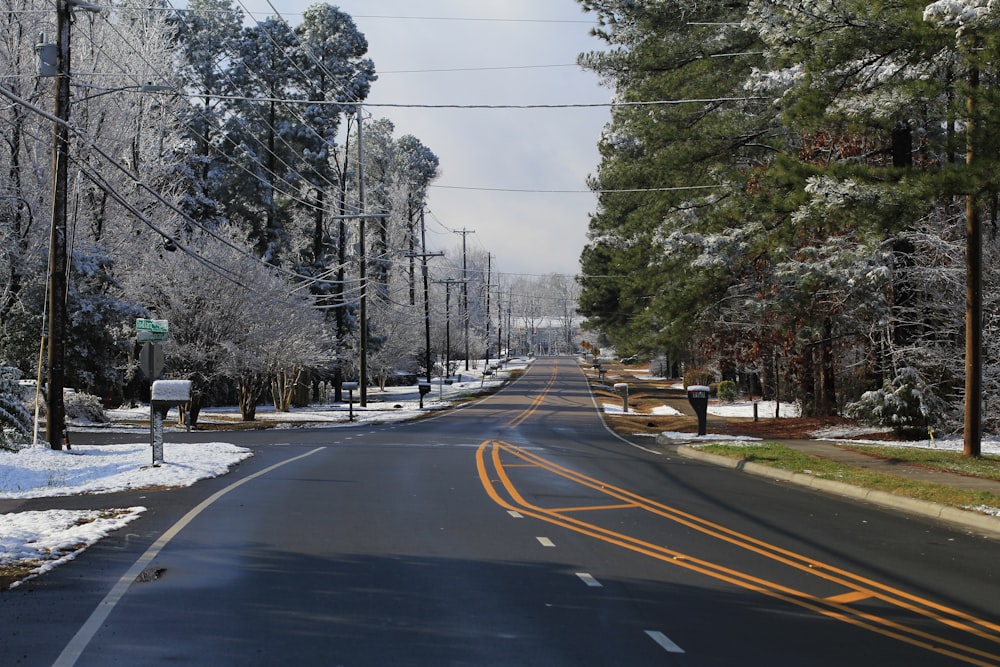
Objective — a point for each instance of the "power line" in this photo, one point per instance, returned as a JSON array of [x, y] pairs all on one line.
[[473, 69], [577, 191], [459, 19], [400, 105]]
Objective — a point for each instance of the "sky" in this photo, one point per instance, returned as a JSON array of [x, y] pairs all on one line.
[[507, 52]]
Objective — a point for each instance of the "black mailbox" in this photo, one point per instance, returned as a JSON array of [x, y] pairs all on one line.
[[698, 398]]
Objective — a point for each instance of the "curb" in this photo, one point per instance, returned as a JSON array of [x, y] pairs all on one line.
[[952, 515]]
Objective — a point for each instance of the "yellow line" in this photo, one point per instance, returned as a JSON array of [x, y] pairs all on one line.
[[825, 607], [848, 598], [537, 402], [592, 508], [848, 579]]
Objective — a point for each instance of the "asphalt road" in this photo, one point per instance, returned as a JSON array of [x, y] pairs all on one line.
[[515, 531]]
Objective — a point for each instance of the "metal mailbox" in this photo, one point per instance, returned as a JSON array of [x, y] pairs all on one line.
[[698, 398]]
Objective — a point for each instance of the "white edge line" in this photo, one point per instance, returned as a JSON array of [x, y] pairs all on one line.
[[604, 423], [78, 644], [664, 641]]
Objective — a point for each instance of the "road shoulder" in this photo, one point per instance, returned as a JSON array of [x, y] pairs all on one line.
[[958, 517]]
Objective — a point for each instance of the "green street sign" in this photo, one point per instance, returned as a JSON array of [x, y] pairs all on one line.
[[151, 331]]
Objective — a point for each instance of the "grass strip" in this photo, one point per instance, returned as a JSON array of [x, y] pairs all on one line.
[[987, 466], [786, 458]]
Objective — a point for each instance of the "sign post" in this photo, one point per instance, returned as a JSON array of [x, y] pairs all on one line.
[[350, 387]]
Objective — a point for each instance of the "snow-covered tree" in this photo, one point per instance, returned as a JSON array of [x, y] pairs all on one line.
[[233, 317], [15, 420]]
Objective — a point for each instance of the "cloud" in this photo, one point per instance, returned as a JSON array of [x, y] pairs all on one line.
[[538, 149]]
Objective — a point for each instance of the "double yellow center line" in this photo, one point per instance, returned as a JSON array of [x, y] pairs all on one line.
[[496, 460]]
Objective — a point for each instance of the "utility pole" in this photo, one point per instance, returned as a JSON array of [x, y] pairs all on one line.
[[447, 326], [489, 272], [55, 421], [427, 297], [362, 270], [465, 291], [510, 297], [500, 322], [973, 432]]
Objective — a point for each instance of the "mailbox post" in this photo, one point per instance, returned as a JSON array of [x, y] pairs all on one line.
[[350, 387], [165, 394], [424, 388], [622, 389], [698, 398]]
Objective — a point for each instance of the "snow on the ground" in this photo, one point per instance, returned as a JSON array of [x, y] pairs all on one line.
[[734, 409], [617, 409], [41, 540], [765, 409], [392, 404], [39, 472], [950, 444], [666, 411], [708, 438]]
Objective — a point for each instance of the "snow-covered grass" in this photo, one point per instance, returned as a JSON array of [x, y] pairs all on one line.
[[36, 541], [735, 409], [32, 543], [39, 472], [391, 405], [950, 444], [617, 409], [707, 439], [745, 409]]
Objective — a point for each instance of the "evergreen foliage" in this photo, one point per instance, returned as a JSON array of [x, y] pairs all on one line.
[[15, 420], [826, 258]]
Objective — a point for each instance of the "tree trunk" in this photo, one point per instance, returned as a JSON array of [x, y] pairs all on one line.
[[828, 373], [283, 388], [249, 388], [187, 414]]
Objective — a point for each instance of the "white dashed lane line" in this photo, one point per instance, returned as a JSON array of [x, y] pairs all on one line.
[[664, 641]]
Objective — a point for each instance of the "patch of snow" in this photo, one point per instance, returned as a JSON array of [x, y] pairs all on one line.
[[845, 431], [617, 409], [45, 539], [951, 444], [39, 472], [765, 409], [984, 509], [666, 411], [707, 438]]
